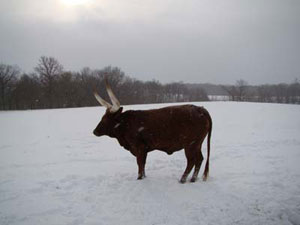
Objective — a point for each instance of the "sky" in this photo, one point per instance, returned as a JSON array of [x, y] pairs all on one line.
[[194, 41]]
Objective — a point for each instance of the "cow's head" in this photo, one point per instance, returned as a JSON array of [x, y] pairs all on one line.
[[109, 121]]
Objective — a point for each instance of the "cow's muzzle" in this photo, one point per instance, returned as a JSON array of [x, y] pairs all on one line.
[[96, 133]]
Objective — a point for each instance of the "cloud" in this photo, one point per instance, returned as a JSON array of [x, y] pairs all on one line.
[[171, 40]]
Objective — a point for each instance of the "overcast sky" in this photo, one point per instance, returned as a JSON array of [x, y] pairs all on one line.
[[216, 41]]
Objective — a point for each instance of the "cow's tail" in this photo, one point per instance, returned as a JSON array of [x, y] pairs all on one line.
[[206, 170]]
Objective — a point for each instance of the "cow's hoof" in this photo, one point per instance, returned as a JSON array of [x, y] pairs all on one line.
[[182, 181], [193, 180], [140, 177]]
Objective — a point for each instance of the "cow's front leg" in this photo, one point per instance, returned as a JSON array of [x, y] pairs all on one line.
[[141, 161]]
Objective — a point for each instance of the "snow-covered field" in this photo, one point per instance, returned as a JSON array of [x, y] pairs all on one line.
[[54, 171]]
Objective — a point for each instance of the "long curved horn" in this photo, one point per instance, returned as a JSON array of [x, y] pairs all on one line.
[[113, 98], [102, 101]]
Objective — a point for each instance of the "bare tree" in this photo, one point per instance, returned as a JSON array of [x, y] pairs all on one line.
[[264, 93], [86, 81], [49, 69], [66, 92], [27, 92], [8, 74], [294, 91], [281, 92], [197, 94], [176, 92], [238, 91], [241, 87], [152, 91], [232, 91]]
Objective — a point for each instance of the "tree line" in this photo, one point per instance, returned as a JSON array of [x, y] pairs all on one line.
[[276, 93], [50, 86]]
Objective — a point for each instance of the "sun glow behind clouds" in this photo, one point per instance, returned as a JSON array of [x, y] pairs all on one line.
[[75, 2]]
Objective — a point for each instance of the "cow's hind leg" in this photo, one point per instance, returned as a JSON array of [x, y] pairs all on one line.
[[198, 162], [190, 156], [141, 161]]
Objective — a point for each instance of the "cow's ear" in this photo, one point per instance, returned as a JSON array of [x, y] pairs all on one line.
[[118, 113]]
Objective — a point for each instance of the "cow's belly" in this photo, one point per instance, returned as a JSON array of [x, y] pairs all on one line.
[[170, 151]]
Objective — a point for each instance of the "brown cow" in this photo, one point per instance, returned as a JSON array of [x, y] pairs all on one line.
[[167, 129]]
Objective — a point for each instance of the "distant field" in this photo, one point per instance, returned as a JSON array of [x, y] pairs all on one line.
[[54, 171]]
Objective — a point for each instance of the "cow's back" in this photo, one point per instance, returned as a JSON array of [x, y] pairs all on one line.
[[170, 128]]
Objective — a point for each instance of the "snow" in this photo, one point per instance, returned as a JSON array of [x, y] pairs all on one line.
[[141, 129], [53, 170], [117, 125]]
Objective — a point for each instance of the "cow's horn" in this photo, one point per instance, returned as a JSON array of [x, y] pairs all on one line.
[[113, 98], [102, 101]]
